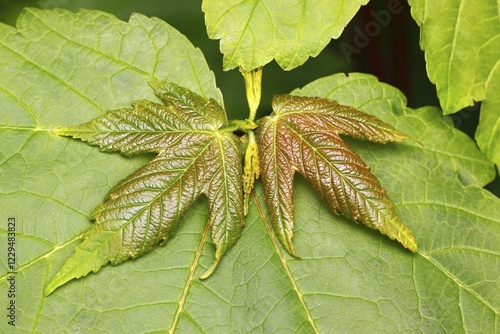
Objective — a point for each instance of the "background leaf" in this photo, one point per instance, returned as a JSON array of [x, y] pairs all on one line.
[[488, 131], [350, 279], [253, 33], [461, 40]]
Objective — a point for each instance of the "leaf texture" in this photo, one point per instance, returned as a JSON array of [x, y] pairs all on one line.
[[255, 32], [488, 130], [302, 135], [346, 281], [461, 40], [144, 209]]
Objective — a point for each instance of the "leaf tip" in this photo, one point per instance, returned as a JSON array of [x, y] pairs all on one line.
[[49, 288], [56, 282], [291, 249], [416, 141], [402, 136], [210, 270], [402, 234], [155, 83], [412, 245]]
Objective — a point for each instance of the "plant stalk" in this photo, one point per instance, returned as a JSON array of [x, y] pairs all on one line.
[[253, 85]]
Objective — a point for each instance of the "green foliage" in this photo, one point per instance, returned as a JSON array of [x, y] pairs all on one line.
[[461, 40], [255, 32], [488, 131], [195, 157], [61, 68]]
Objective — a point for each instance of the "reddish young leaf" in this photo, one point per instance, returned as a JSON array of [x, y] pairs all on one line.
[[194, 158], [302, 135]]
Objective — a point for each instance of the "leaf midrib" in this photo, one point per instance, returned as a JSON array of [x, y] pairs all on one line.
[[284, 263], [367, 199], [189, 280], [459, 283]]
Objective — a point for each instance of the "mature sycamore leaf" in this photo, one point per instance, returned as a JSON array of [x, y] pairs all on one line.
[[255, 32], [144, 209], [302, 135]]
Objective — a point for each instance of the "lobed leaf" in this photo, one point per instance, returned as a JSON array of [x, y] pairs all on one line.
[[303, 135], [461, 40], [144, 209], [51, 185]]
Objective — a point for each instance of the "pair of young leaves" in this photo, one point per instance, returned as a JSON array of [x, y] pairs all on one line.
[[197, 153]]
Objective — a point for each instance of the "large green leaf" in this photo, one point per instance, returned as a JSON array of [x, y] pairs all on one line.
[[254, 32], [461, 40], [349, 279]]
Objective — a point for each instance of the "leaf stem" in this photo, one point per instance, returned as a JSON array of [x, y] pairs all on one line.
[[240, 125], [253, 85], [251, 169]]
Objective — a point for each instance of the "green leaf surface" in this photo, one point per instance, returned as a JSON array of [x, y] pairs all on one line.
[[255, 32], [488, 130], [461, 40], [350, 279]]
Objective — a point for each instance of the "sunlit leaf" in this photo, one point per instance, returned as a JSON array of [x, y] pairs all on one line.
[[303, 135], [461, 40], [255, 32], [145, 208], [349, 279]]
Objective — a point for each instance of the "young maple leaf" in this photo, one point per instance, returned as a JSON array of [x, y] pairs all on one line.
[[194, 158], [302, 135]]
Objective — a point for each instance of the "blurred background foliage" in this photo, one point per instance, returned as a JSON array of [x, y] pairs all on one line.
[[393, 54]]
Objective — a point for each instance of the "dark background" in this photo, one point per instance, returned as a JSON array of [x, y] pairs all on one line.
[[393, 53]]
